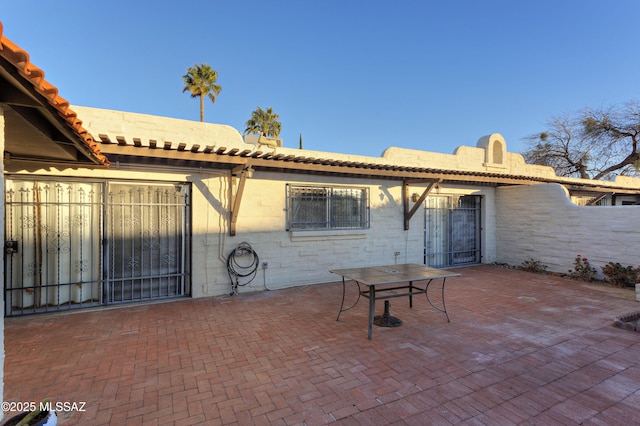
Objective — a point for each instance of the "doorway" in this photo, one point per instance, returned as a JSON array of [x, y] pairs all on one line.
[[452, 230], [76, 244]]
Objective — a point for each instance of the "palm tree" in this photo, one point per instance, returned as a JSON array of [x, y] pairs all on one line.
[[200, 81], [264, 123]]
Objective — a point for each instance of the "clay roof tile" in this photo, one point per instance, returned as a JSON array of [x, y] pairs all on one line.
[[19, 58]]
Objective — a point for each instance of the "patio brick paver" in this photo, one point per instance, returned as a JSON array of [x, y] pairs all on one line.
[[521, 348]]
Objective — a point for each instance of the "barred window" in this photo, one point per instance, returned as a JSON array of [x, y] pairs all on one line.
[[327, 207]]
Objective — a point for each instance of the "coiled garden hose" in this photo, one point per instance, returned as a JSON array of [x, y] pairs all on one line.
[[242, 265]]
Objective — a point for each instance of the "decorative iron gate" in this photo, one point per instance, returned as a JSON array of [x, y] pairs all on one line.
[[452, 230], [55, 258], [146, 243]]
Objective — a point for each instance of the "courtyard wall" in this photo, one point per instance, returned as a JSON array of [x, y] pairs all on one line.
[[540, 222]]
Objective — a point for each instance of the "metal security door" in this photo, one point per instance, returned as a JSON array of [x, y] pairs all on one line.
[[452, 230], [52, 246], [146, 241]]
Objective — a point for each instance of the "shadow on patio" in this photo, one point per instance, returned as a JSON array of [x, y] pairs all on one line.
[[521, 348]]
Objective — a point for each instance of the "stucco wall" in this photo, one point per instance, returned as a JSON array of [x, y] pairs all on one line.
[[478, 158], [490, 153], [301, 258], [540, 222], [119, 123], [518, 223], [294, 258], [305, 257]]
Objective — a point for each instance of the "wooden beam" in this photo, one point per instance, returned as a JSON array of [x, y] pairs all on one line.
[[405, 204], [595, 200], [236, 198], [601, 189], [405, 195], [268, 162], [13, 96]]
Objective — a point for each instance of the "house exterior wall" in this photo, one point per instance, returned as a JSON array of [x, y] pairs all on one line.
[[518, 222], [479, 158], [294, 257], [540, 222], [305, 257]]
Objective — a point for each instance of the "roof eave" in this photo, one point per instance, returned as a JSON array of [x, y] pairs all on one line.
[[33, 91]]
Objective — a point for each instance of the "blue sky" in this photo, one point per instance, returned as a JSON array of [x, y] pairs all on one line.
[[351, 76]]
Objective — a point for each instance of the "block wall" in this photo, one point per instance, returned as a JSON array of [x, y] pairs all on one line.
[[297, 258], [300, 257], [540, 222], [294, 258]]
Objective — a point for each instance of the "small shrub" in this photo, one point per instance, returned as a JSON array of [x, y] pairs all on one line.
[[622, 276], [582, 269], [532, 265]]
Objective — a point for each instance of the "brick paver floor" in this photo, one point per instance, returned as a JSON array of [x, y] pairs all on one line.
[[521, 348]]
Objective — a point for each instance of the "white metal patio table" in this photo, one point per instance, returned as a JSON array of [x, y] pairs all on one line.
[[399, 279]]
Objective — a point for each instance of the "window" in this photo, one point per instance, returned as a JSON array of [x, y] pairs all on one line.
[[327, 207]]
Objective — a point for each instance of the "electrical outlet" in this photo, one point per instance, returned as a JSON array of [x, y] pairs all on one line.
[[265, 265]]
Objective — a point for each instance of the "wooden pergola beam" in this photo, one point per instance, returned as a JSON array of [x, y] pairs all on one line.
[[408, 214], [240, 173]]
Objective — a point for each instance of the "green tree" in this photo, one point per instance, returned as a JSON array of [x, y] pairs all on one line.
[[200, 81], [590, 144], [264, 122]]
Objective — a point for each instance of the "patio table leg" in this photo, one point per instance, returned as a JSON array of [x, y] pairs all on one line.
[[411, 294], [444, 307], [342, 308], [372, 308], [341, 303]]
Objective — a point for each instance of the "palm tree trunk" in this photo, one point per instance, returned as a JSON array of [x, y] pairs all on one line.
[[201, 108]]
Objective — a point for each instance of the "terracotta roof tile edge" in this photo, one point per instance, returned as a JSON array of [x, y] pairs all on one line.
[[19, 58]]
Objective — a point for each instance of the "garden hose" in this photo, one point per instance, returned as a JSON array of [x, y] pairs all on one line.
[[242, 264]]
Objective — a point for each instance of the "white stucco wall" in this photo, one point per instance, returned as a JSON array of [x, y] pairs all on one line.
[[304, 257], [478, 158], [119, 123], [540, 222], [294, 258], [518, 223]]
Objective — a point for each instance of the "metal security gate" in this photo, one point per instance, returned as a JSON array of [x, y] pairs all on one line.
[[60, 254], [146, 243], [452, 230]]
